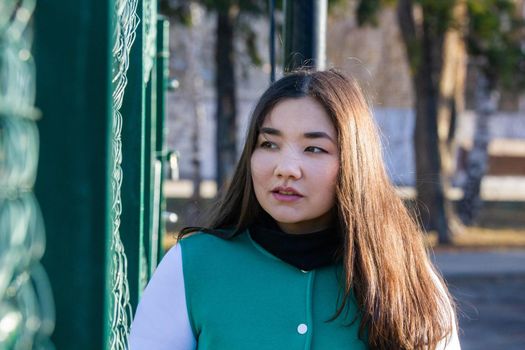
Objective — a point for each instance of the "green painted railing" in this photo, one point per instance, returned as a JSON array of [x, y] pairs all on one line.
[[101, 69]]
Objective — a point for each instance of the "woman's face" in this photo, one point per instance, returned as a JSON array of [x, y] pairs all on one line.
[[295, 165]]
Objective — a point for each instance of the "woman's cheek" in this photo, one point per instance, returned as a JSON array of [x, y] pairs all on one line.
[[257, 166], [328, 168]]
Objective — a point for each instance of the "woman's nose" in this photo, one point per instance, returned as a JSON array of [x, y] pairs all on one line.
[[288, 167]]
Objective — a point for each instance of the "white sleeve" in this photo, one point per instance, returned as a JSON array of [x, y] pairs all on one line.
[[161, 321], [451, 342]]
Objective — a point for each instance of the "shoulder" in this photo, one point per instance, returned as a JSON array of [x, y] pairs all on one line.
[[200, 250], [205, 255], [168, 277], [162, 309], [448, 313], [205, 242], [200, 237]]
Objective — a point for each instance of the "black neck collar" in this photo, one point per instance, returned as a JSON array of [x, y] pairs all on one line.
[[306, 251]]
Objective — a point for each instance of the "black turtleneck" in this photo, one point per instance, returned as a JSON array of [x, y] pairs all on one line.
[[306, 251]]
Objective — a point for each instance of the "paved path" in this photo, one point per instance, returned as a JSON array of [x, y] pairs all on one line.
[[482, 263], [490, 291]]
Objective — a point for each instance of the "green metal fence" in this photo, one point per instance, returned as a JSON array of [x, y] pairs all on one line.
[[101, 78], [26, 305]]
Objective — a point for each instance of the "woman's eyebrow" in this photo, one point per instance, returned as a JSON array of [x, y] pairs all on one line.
[[317, 135], [308, 135], [270, 131]]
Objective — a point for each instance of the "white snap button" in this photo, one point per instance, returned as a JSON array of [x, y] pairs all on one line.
[[302, 328]]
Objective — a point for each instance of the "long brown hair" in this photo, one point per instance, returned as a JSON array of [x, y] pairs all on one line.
[[402, 300]]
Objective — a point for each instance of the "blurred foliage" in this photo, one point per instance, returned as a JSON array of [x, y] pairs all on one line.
[[367, 11], [180, 9], [246, 6], [181, 12], [250, 41], [176, 10], [438, 14], [494, 33]]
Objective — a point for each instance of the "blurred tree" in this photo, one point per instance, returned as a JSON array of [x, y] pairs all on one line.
[[495, 40], [424, 33], [426, 27], [229, 13]]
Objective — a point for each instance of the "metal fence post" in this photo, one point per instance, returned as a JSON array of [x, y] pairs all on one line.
[[137, 152], [73, 59], [149, 175], [97, 91], [160, 147], [133, 141]]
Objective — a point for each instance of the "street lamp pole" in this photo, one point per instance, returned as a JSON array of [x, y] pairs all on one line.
[[304, 34]]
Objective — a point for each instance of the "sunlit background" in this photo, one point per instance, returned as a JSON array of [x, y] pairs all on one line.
[[121, 120]]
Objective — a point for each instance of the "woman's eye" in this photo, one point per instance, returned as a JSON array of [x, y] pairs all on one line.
[[268, 144], [314, 149]]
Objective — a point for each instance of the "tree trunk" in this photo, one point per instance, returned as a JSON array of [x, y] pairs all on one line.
[[470, 204], [429, 176], [226, 97], [452, 88], [195, 84], [451, 104], [425, 53]]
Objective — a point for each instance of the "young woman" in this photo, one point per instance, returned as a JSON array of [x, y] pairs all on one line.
[[309, 248]]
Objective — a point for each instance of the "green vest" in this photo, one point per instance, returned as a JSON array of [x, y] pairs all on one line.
[[239, 296]]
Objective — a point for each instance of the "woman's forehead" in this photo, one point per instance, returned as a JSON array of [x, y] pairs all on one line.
[[299, 115]]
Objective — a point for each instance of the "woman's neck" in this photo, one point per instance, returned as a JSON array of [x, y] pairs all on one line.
[[307, 226], [305, 250]]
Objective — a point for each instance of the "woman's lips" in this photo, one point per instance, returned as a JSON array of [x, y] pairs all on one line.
[[286, 194], [286, 197]]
